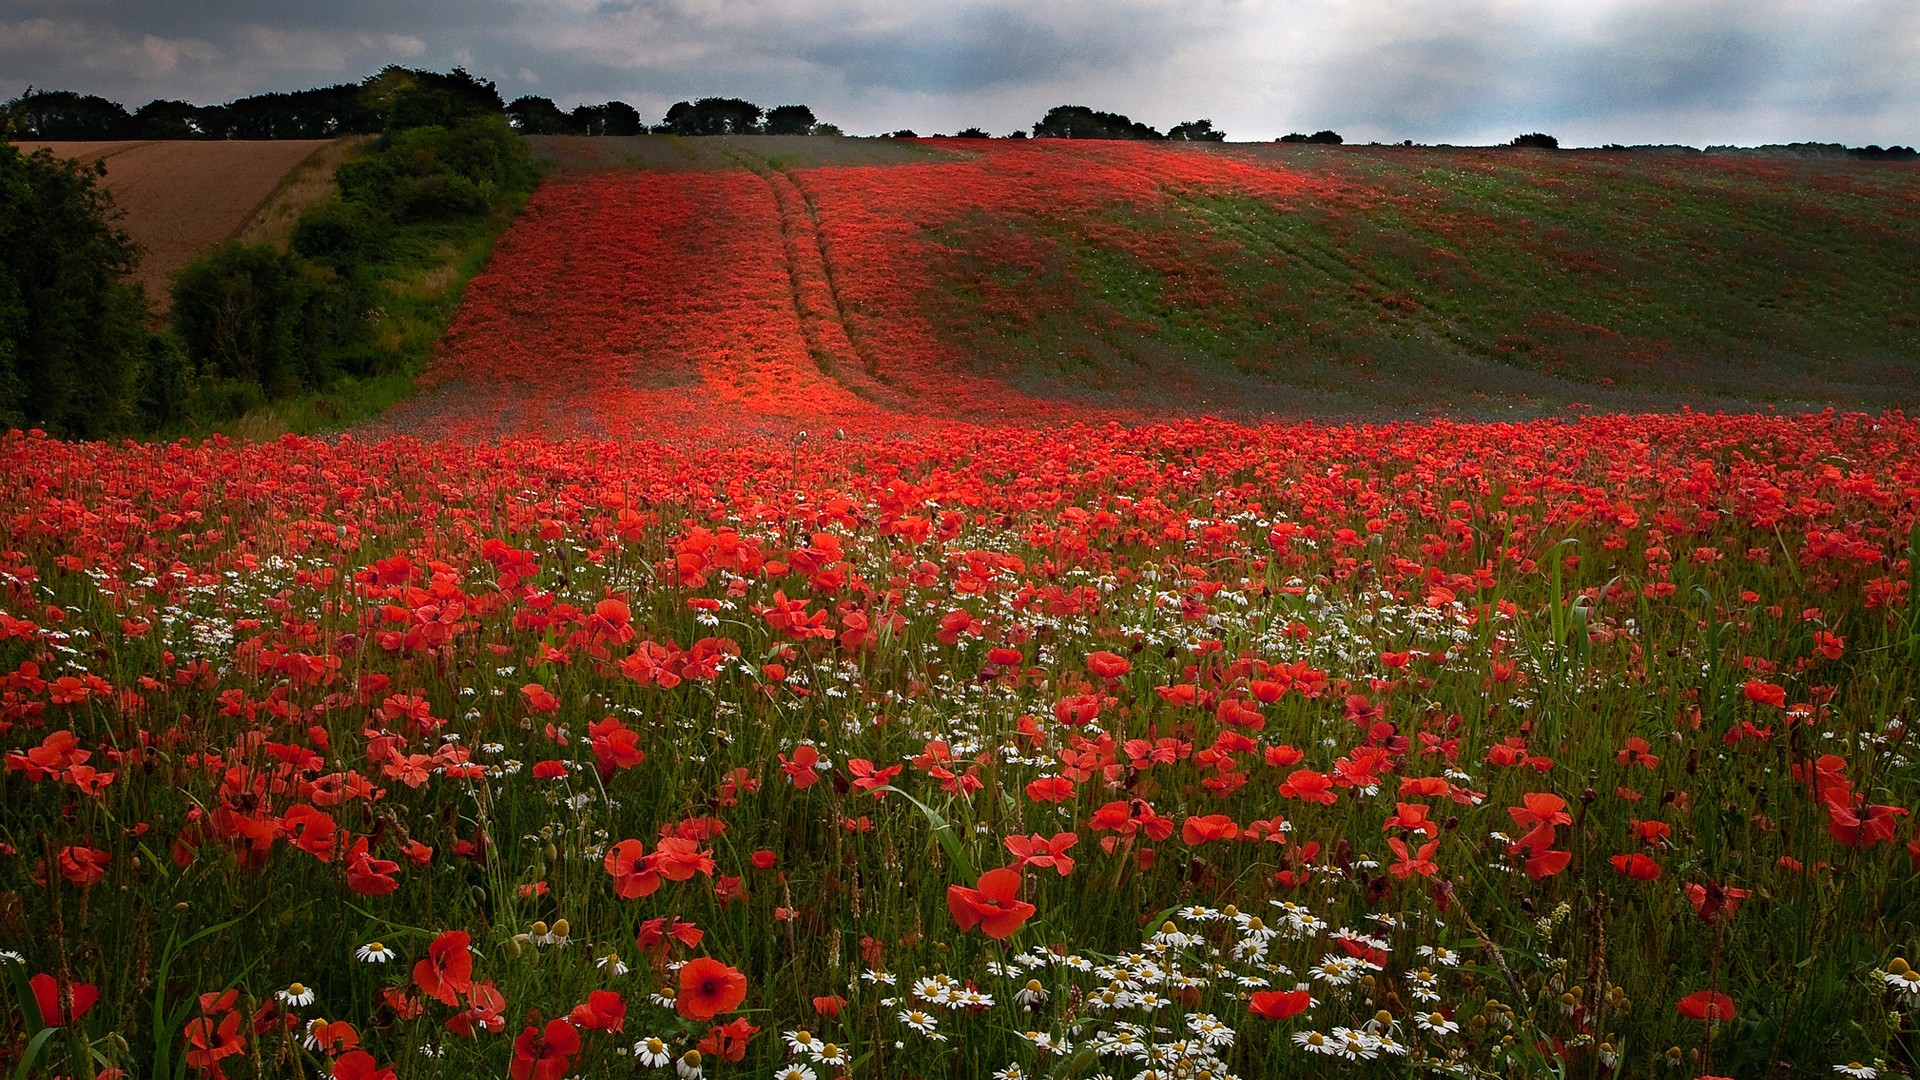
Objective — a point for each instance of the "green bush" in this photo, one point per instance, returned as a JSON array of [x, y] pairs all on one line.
[[434, 173], [255, 314], [340, 234]]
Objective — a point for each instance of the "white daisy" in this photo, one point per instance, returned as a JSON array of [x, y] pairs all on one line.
[[688, 1066], [1315, 1041], [374, 953], [1435, 1022], [924, 1023], [795, 1071], [296, 994], [803, 1041], [652, 1052], [1854, 1068]]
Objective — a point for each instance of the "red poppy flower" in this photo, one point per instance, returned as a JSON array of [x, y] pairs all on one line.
[[1636, 866], [360, 1065], [603, 1010], [85, 867], [992, 905], [800, 770], [447, 969], [1279, 1004], [1706, 1005], [544, 1054], [209, 1041], [58, 1009], [1208, 828], [708, 988], [1050, 789], [1108, 665], [1041, 853]]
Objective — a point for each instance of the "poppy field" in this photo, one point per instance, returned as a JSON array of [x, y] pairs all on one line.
[[751, 291], [710, 677]]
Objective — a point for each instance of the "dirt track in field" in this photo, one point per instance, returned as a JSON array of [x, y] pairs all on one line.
[[182, 197]]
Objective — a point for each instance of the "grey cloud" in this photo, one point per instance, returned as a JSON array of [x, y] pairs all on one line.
[[1464, 70]]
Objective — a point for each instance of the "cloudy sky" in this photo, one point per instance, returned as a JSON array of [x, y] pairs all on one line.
[[1463, 71]]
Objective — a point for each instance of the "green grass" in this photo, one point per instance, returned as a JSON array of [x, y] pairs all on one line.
[[1468, 281]]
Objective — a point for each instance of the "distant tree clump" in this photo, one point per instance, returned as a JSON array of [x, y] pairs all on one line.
[[1537, 140], [63, 114], [1322, 138], [790, 120], [72, 323], [533, 115], [1196, 131], [712, 116], [972, 133], [613, 118], [406, 97], [903, 133], [1080, 122]]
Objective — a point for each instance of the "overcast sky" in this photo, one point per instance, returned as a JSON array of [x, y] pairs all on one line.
[[1471, 71]]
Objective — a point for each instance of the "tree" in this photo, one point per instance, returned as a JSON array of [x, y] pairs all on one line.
[[1538, 140], [532, 115], [63, 114], [321, 113], [1080, 122], [408, 97], [72, 323], [1196, 131], [164, 119], [790, 120], [613, 118], [240, 312], [972, 133], [1322, 138], [713, 116]]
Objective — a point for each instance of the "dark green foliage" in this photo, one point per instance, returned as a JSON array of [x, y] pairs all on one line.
[[1196, 131], [1080, 122], [790, 120], [242, 311], [63, 114], [72, 326], [613, 118], [1537, 140], [1325, 138], [436, 173], [322, 113], [340, 234], [164, 119], [166, 385], [713, 116], [410, 98], [972, 133], [534, 115]]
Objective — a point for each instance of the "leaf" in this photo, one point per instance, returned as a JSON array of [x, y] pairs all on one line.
[[942, 831]]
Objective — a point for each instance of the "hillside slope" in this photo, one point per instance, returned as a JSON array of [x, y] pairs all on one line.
[[769, 286], [182, 197]]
